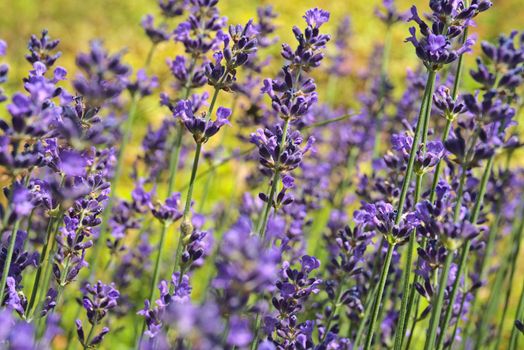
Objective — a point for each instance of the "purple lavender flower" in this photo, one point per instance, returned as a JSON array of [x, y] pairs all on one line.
[[449, 107], [201, 32], [289, 100], [244, 266], [22, 201], [41, 49], [105, 75], [381, 216], [243, 43], [169, 211], [504, 54], [155, 34], [172, 8], [200, 126], [97, 301], [389, 13], [177, 292], [435, 48], [293, 289], [310, 43], [143, 85], [427, 155], [289, 158], [20, 261], [187, 77]]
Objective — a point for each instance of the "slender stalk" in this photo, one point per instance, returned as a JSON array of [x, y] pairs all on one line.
[[335, 305], [191, 187], [89, 335], [42, 263], [489, 310], [378, 299], [165, 226], [156, 271], [175, 158], [493, 229], [449, 121], [365, 317], [513, 340], [8, 258], [406, 279], [189, 196], [423, 120], [449, 310], [512, 259], [462, 302], [435, 314], [476, 211], [149, 57], [261, 229], [207, 185], [424, 113], [45, 252]]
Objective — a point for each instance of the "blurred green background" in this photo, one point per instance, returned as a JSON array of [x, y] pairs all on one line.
[[117, 22]]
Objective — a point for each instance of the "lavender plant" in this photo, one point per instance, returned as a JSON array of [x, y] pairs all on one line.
[[387, 215]]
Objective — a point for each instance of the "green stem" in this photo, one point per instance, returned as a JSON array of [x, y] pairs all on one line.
[[482, 191], [449, 121], [513, 340], [365, 317], [406, 278], [149, 57], [488, 312], [335, 304], [474, 217], [207, 185], [8, 258], [437, 303], [462, 302], [421, 128], [42, 262], [261, 229], [513, 257], [449, 310], [378, 299], [425, 111], [88, 339], [191, 187], [175, 157], [156, 271]]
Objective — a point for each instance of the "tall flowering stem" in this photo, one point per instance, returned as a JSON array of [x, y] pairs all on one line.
[[237, 48], [45, 264], [291, 99], [424, 113], [261, 229], [7, 263], [508, 264], [518, 324], [450, 116]]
